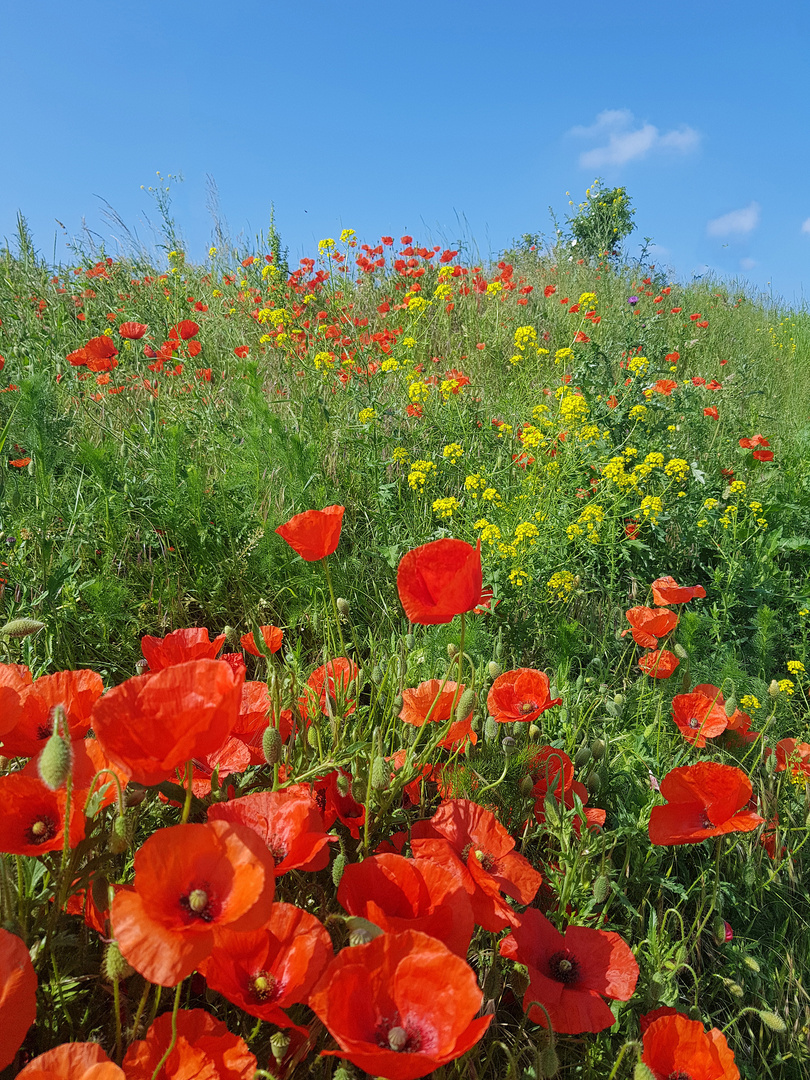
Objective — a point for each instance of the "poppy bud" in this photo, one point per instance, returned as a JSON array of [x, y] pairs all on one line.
[[465, 706], [279, 1044], [749, 961], [20, 628], [643, 1072], [55, 761], [271, 745], [731, 706], [141, 666], [593, 783], [338, 866], [526, 785], [343, 607], [580, 682], [601, 888], [582, 757], [719, 929], [342, 1073], [410, 641], [379, 774], [398, 702], [498, 649], [519, 980], [680, 652], [598, 748], [772, 1021], [343, 784], [494, 669], [114, 965], [490, 728], [312, 738], [377, 675], [773, 689], [509, 746], [734, 988], [549, 1063], [694, 1013], [534, 732], [452, 651], [119, 837], [231, 635]]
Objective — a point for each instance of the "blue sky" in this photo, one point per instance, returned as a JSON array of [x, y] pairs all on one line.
[[445, 120]]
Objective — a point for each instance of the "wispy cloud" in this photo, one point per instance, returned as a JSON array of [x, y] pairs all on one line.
[[626, 139], [806, 225], [736, 222], [748, 263]]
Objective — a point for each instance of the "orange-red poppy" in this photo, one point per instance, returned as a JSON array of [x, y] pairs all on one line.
[[469, 840], [20, 463], [190, 643], [33, 816], [272, 636], [699, 716], [314, 534], [387, 1006], [650, 624], [185, 329], [204, 1049], [665, 386], [132, 330], [267, 970], [331, 679], [399, 894], [72, 1061], [754, 442], [191, 881], [658, 664], [705, 799], [440, 580], [333, 794], [77, 691], [762, 455], [522, 694], [794, 757], [553, 772], [571, 973], [13, 679], [288, 821], [18, 995], [674, 1045], [422, 699], [666, 590], [151, 724]]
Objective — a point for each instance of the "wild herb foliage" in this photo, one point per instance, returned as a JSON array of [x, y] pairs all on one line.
[[594, 427]]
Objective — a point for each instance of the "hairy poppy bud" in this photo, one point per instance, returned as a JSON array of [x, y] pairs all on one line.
[[20, 628], [601, 888], [680, 652], [55, 761], [377, 674], [773, 688], [466, 703], [271, 745], [312, 738], [452, 651], [643, 1072], [338, 866], [519, 980], [731, 706], [343, 606], [379, 774], [526, 785], [494, 669], [548, 1061], [772, 1021], [119, 837], [114, 965], [593, 783], [410, 641], [490, 728], [551, 809], [343, 784], [534, 732], [398, 702]]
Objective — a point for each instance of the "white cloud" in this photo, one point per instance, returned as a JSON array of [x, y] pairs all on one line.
[[629, 140], [735, 223], [806, 225], [748, 263]]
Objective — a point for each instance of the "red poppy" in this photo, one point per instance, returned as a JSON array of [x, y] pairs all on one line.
[[675, 1046], [77, 691], [549, 290], [267, 970], [649, 624], [331, 679], [552, 771], [672, 357], [333, 794], [33, 816], [580, 337], [665, 386], [132, 330], [762, 455], [315, 533], [666, 590], [612, 401], [190, 881], [288, 821], [753, 442], [440, 580], [151, 724], [20, 463], [18, 995], [179, 647], [658, 664], [705, 799], [272, 639], [699, 716], [794, 757], [571, 973], [399, 894], [72, 1061], [522, 694], [242, 351], [204, 1048], [13, 679], [469, 840], [185, 329], [414, 409], [430, 698], [387, 1006], [712, 412]]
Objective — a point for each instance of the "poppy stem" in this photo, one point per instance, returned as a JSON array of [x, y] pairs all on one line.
[[189, 792], [632, 1045], [147, 986], [334, 604], [173, 1040]]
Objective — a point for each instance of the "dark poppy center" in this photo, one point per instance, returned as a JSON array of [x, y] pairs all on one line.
[[706, 821], [527, 707], [42, 830], [198, 903], [562, 967], [679, 1075], [44, 731], [278, 849], [694, 722], [263, 986], [484, 859]]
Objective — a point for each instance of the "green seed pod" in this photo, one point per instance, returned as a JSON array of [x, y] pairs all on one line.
[[452, 651], [119, 837], [719, 930], [491, 729], [580, 682], [271, 745], [279, 1044], [338, 866], [55, 762], [643, 1072], [397, 703], [582, 757], [498, 649], [20, 628], [360, 936], [593, 783], [772, 1021], [598, 748], [601, 888], [526, 785], [466, 704], [548, 1062], [509, 746], [114, 966], [343, 607], [410, 642], [379, 774], [694, 1013], [494, 669], [141, 667], [377, 675]]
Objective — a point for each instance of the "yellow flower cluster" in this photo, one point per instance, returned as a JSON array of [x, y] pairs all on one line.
[[638, 412], [453, 452], [473, 482], [346, 234], [409, 342], [416, 304], [787, 686], [588, 300], [443, 290], [276, 316], [490, 534], [531, 437], [677, 468], [614, 470], [326, 245], [563, 354], [574, 410], [588, 522], [494, 288], [448, 387], [389, 365], [419, 474], [490, 495], [795, 667], [323, 360], [651, 507], [418, 390], [748, 701], [638, 365], [528, 531], [525, 335], [367, 416], [561, 583], [446, 507], [400, 455], [518, 578]]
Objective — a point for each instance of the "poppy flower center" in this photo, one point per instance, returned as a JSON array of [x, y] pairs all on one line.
[[392, 1036], [44, 731], [486, 861], [263, 986], [527, 707], [562, 967], [679, 1075], [706, 821], [278, 849], [42, 830], [198, 904], [694, 722]]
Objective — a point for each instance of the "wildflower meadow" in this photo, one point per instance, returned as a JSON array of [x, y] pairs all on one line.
[[405, 664]]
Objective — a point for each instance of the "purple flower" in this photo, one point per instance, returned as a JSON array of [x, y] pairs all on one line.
[[632, 299]]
